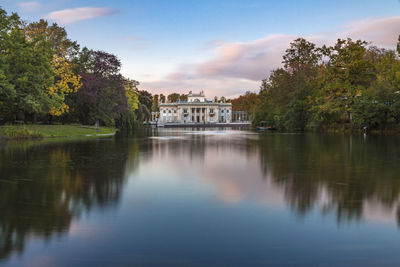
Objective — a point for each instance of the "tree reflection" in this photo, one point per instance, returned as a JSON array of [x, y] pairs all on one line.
[[44, 186], [338, 174]]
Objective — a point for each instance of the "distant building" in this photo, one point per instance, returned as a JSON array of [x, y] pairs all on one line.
[[197, 109]]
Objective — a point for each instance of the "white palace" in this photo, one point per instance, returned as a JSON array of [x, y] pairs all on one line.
[[196, 110]]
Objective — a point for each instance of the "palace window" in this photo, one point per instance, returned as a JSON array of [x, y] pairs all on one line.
[[211, 110], [192, 110]]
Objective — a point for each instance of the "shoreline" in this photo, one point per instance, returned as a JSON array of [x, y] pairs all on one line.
[[40, 131]]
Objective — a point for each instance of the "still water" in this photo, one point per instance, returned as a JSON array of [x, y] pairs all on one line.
[[201, 197]]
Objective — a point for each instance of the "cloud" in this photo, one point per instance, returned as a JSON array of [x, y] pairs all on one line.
[[29, 6], [228, 87], [382, 32], [251, 60], [254, 60], [68, 16], [239, 66]]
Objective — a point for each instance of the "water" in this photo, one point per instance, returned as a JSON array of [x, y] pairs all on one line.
[[201, 197]]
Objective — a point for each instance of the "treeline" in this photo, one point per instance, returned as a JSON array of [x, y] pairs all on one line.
[[176, 97], [349, 85], [44, 76]]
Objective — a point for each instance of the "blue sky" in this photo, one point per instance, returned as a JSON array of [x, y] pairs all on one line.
[[223, 47]]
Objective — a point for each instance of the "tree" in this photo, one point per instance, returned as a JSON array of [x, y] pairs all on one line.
[[55, 35], [398, 46], [301, 55], [102, 98], [66, 82], [7, 89], [127, 120], [7, 98], [162, 98], [28, 69], [154, 106], [245, 102], [349, 72], [174, 97], [183, 97], [146, 99], [131, 93]]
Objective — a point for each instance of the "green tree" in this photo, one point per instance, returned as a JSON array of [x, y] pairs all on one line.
[[349, 73], [55, 35], [154, 106], [398, 46], [29, 70], [183, 97], [162, 98], [284, 97], [174, 97]]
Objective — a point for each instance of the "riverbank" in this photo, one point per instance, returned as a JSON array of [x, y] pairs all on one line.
[[46, 131]]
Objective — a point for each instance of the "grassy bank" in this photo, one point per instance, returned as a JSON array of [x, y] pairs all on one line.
[[40, 131]]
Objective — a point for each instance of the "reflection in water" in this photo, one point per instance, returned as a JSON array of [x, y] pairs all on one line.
[[44, 186], [192, 185], [350, 176]]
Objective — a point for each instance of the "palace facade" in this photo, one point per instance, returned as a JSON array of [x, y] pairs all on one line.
[[197, 109]]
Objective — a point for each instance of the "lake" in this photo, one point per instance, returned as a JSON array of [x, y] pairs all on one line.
[[201, 197]]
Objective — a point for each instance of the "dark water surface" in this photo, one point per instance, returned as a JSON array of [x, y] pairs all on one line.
[[201, 197]]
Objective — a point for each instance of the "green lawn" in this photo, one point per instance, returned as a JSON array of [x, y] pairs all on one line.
[[38, 130]]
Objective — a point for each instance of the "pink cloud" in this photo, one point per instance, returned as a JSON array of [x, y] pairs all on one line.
[[239, 66]]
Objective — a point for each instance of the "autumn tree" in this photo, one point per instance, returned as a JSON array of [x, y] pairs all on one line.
[[245, 102], [66, 81]]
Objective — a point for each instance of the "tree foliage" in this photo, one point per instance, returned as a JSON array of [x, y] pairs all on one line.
[[45, 75], [349, 84]]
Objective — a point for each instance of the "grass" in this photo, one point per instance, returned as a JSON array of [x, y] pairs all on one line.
[[39, 131]]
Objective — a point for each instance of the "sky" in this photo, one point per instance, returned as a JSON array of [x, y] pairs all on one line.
[[223, 47]]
